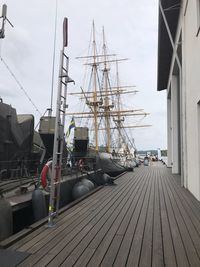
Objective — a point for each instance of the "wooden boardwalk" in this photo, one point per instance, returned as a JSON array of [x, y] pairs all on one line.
[[146, 219]]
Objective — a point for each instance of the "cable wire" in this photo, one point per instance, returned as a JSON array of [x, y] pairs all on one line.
[[54, 52], [20, 85]]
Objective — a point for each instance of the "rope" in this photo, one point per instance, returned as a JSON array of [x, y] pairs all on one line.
[[39, 120], [20, 85]]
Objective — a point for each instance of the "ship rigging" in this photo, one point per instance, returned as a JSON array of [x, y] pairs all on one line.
[[104, 100]]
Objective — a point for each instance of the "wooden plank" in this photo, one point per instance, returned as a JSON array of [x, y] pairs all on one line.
[[157, 250], [179, 248], [147, 242], [136, 246], [119, 250], [103, 239], [84, 203], [146, 220], [187, 242], [190, 235], [70, 219], [168, 246], [56, 245], [112, 251], [131, 235], [43, 232], [43, 246], [192, 204], [74, 213], [79, 244], [62, 217], [191, 200]]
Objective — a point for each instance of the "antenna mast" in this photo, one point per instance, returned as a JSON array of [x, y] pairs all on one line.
[[4, 19]]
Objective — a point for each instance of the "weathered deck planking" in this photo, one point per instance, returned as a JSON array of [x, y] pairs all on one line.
[[168, 246], [146, 219], [157, 249]]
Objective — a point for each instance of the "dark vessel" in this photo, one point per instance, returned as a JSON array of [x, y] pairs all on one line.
[[47, 132], [20, 151], [91, 158]]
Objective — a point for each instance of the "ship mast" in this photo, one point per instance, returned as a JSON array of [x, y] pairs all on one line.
[[121, 114], [106, 105], [95, 102], [119, 119]]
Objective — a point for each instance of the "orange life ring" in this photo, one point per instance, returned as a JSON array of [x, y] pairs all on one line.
[[44, 173]]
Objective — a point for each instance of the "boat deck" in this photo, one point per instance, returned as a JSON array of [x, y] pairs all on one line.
[[11, 189], [146, 219]]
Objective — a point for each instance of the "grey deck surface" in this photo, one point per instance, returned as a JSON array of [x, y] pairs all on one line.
[[147, 219]]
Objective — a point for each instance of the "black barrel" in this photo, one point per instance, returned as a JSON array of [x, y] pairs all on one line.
[[38, 205], [6, 219]]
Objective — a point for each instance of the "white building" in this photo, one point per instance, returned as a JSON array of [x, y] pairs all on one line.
[[179, 74]]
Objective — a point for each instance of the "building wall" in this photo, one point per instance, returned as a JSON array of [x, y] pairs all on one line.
[[191, 83], [184, 100]]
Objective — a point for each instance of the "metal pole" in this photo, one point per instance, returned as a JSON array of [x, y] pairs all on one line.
[[63, 80], [55, 173]]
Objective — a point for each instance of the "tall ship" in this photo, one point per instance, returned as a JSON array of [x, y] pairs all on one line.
[[109, 145]]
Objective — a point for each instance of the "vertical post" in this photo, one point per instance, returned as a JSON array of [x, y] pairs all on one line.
[[55, 170], [175, 125], [169, 133]]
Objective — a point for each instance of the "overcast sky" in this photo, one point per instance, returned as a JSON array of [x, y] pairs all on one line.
[[131, 32]]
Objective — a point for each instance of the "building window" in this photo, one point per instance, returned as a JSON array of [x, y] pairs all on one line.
[[198, 16]]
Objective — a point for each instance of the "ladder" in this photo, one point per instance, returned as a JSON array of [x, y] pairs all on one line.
[[61, 106]]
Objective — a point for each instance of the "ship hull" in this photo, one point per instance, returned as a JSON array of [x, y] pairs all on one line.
[[110, 165]]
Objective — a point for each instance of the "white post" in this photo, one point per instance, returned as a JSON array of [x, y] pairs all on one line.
[[169, 134], [175, 125]]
